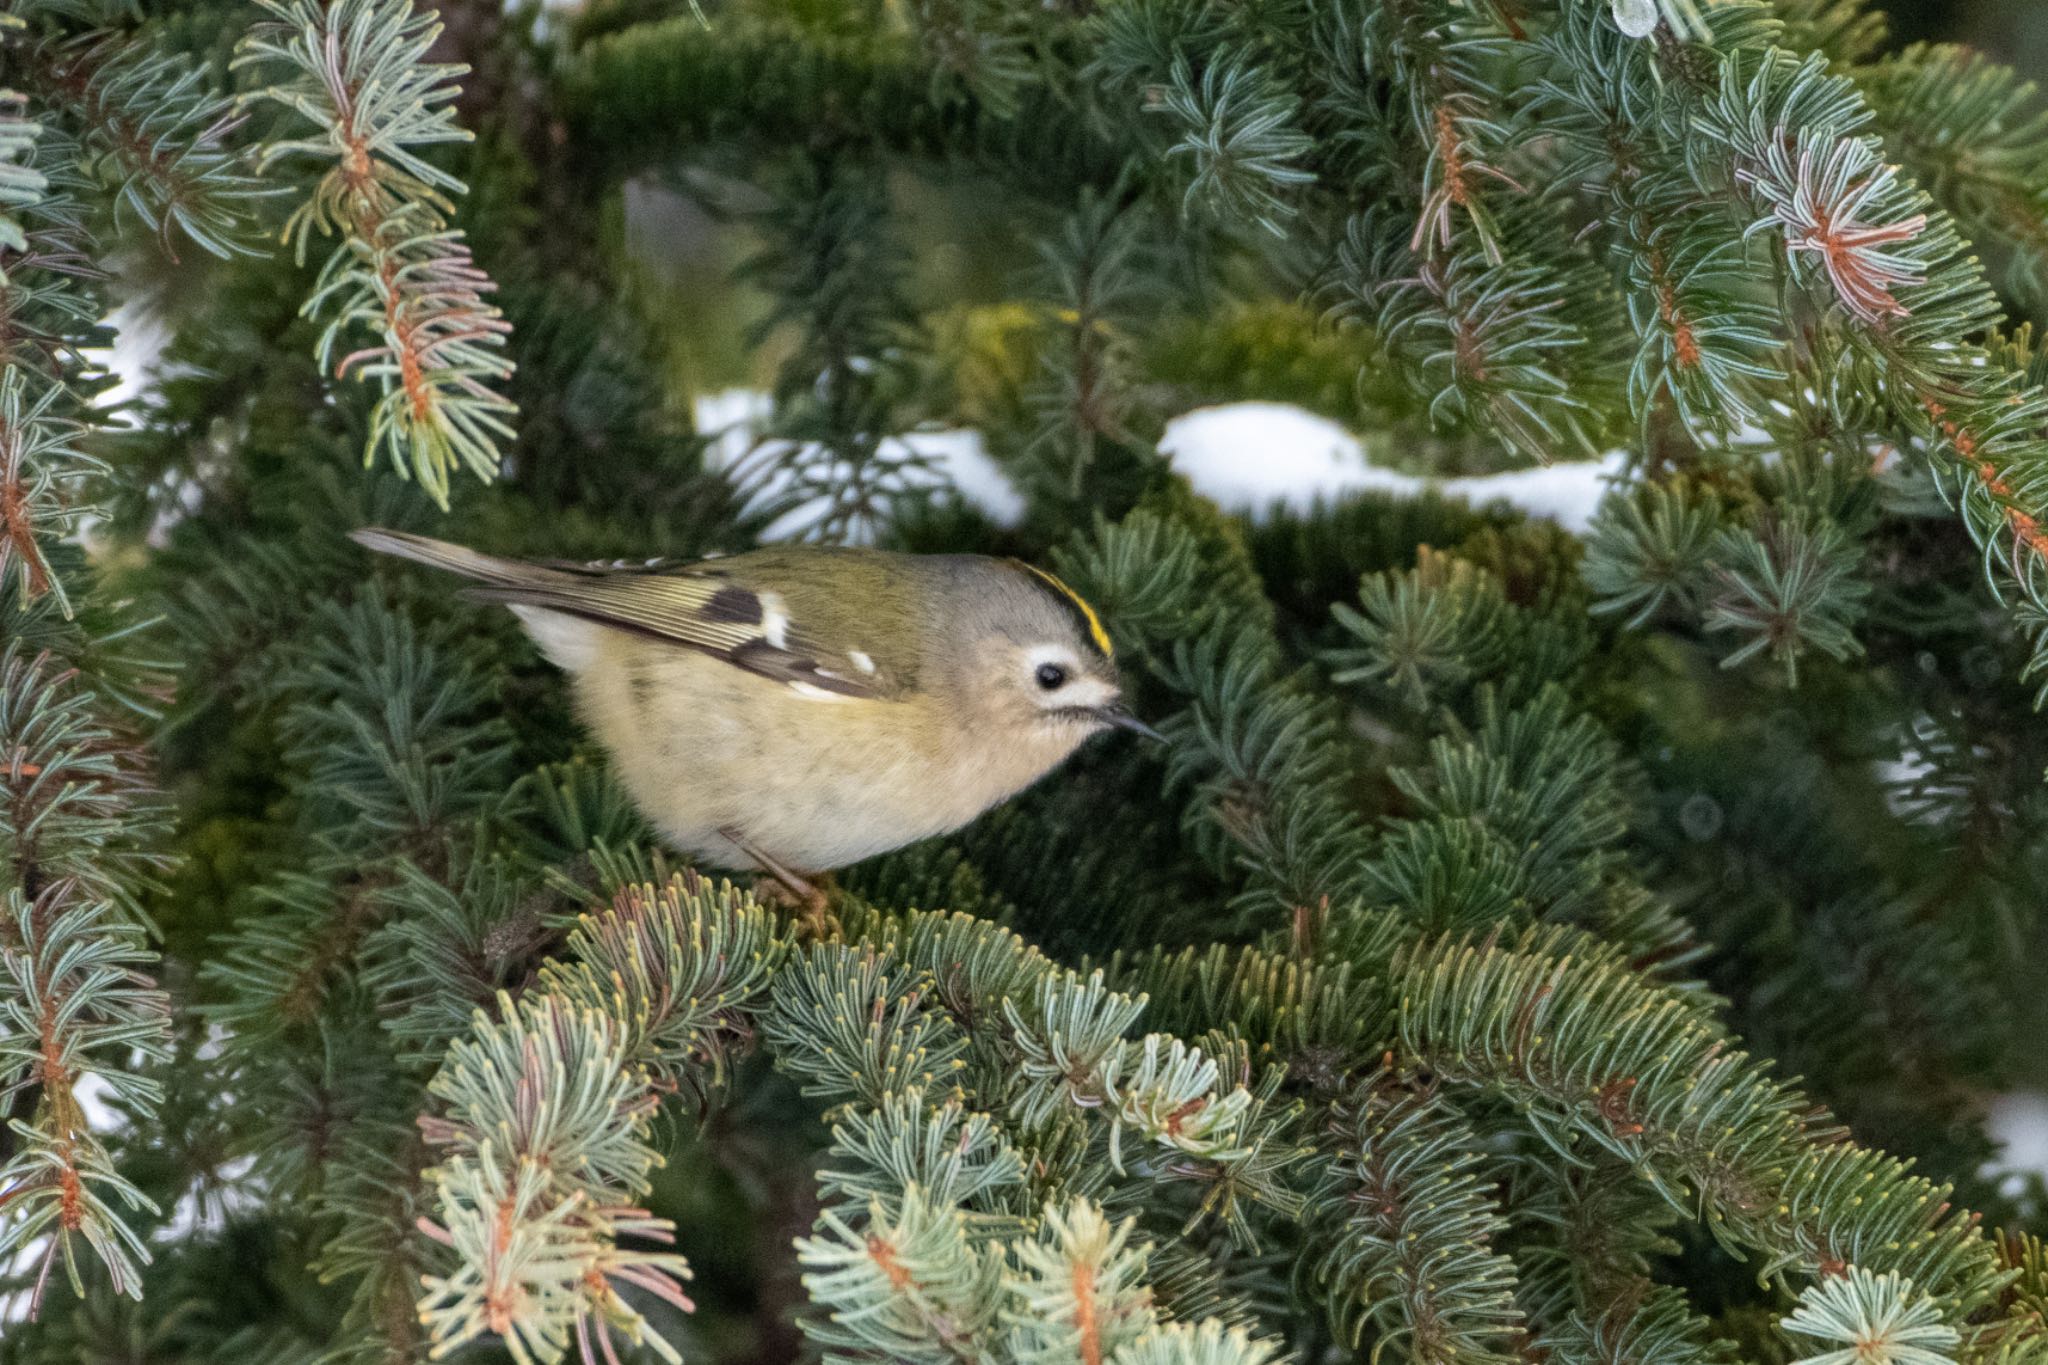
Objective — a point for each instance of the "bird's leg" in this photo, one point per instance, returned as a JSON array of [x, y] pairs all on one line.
[[797, 893]]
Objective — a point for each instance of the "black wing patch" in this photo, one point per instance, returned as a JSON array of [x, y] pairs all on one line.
[[734, 604]]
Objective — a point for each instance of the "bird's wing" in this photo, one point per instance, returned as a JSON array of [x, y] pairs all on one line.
[[703, 605]]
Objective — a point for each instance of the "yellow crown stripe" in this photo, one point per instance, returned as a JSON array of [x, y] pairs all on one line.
[[1095, 630]]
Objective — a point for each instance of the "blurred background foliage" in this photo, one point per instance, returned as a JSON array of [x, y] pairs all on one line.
[[683, 239]]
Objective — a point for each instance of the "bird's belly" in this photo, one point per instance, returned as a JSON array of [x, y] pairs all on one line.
[[812, 784], [810, 819]]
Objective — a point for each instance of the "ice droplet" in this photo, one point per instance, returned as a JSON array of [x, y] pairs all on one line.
[[1636, 18]]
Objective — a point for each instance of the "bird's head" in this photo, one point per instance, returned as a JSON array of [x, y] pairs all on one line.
[[1041, 665]]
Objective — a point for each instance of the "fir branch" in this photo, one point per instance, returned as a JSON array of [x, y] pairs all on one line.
[[1520, 807], [1481, 337], [857, 1026], [1783, 583], [1645, 1322], [1705, 330], [377, 1188], [277, 972], [959, 1158], [1588, 1289], [2025, 1300], [406, 787], [1648, 551], [1072, 1043], [1061, 1054], [47, 302], [636, 98], [1609, 1064], [1268, 761], [1091, 280], [1229, 1144], [74, 999], [986, 45], [1705, 345], [401, 272], [837, 272], [1168, 1094], [1079, 1291], [42, 471], [77, 811], [1832, 198], [1846, 30], [547, 1124], [412, 283], [912, 1284], [1972, 134], [1446, 66], [361, 79], [1317, 1018], [449, 943], [1406, 1233], [1208, 1342], [160, 131], [76, 1002], [546, 1110], [77, 818], [1790, 588], [640, 94], [1422, 634], [1159, 1087], [1879, 1318], [1238, 135], [394, 729], [683, 969], [908, 1286], [1522, 817], [21, 184], [1821, 196]]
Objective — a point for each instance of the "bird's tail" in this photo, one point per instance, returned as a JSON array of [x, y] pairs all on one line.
[[458, 559], [535, 593]]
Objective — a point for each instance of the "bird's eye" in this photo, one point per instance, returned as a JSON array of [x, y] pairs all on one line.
[[1051, 677]]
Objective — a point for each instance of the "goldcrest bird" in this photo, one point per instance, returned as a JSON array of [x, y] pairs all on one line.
[[799, 708]]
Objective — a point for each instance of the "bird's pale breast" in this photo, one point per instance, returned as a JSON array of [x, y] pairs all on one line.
[[815, 784]]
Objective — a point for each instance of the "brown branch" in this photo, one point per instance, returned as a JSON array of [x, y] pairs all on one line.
[[1084, 1314], [2026, 529]]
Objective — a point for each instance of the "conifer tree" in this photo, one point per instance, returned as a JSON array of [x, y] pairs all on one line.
[[1528, 946]]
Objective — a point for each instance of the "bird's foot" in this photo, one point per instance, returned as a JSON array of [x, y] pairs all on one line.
[[809, 906]]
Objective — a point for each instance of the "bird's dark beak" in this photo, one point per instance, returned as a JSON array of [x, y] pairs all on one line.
[[1115, 714]]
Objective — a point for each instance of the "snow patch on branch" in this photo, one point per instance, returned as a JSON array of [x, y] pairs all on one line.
[[1247, 457]]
